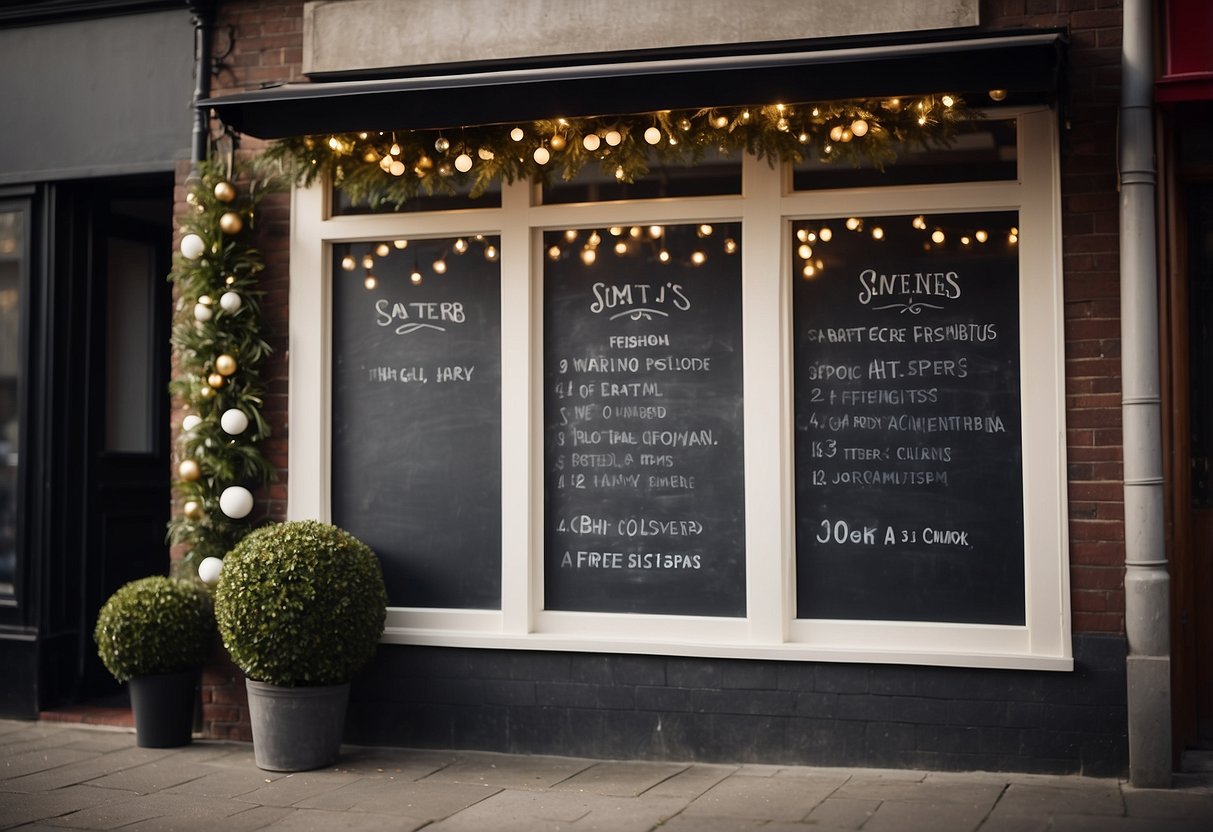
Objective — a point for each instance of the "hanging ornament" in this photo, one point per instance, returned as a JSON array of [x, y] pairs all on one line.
[[443, 144], [591, 142], [189, 470], [236, 502], [225, 365], [192, 510], [209, 571], [613, 138], [215, 380], [463, 163], [234, 422], [206, 392], [203, 312], [225, 191], [230, 302], [192, 247], [542, 156], [557, 142], [190, 422], [652, 135], [485, 154], [230, 223]]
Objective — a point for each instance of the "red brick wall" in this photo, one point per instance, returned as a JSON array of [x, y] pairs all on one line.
[[268, 49]]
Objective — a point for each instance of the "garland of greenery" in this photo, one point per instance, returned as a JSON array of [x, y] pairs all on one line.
[[389, 168], [218, 352]]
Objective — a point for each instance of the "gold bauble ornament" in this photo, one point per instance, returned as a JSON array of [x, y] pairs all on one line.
[[192, 510], [225, 191], [206, 392], [189, 470], [215, 380], [230, 223], [225, 365]]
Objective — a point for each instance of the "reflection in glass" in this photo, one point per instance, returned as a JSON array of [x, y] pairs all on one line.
[[12, 264], [714, 174]]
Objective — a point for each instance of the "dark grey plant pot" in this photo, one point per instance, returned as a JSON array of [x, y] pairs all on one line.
[[296, 729], [164, 708]]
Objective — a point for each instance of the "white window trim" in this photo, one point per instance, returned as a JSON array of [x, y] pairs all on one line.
[[766, 209]]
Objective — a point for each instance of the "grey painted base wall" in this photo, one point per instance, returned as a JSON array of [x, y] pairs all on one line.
[[739, 711]]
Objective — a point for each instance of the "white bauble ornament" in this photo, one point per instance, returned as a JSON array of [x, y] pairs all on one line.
[[202, 312], [209, 569], [230, 302], [192, 246], [236, 502], [190, 422], [234, 422]]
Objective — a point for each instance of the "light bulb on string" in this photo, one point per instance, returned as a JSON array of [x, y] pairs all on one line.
[[854, 223], [663, 256], [517, 134], [591, 142], [415, 277], [400, 245], [730, 246], [652, 135], [463, 163], [554, 253], [348, 263], [613, 138], [878, 233], [805, 251], [588, 256], [439, 266], [981, 236], [382, 250], [485, 154], [655, 231], [397, 168], [698, 258], [461, 245], [370, 282], [937, 236], [368, 262], [621, 248], [825, 234], [490, 253], [704, 230], [635, 231], [570, 234]]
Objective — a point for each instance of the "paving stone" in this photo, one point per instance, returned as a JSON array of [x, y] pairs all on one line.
[[520, 811], [981, 795], [764, 798], [149, 777], [1016, 823], [16, 809], [691, 781], [1158, 803], [509, 772], [1089, 823], [926, 816], [132, 808], [1072, 795], [843, 812], [621, 779], [319, 820], [425, 800], [289, 790], [249, 820], [30, 762], [412, 764], [225, 783]]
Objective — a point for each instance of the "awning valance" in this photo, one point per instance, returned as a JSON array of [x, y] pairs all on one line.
[[1027, 66]]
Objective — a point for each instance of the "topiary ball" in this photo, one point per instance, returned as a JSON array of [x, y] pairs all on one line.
[[300, 603], [155, 625]]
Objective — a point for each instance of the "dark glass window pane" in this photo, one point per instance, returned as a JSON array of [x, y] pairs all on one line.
[[714, 175], [343, 205], [12, 268]]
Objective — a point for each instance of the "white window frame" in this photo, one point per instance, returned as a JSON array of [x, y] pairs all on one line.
[[766, 208]]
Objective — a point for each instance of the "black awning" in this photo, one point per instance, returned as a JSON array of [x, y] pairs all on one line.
[[1027, 66]]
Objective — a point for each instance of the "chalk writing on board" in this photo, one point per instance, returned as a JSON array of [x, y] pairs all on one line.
[[908, 440]]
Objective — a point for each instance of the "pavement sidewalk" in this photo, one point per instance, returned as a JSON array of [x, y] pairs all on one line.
[[55, 776]]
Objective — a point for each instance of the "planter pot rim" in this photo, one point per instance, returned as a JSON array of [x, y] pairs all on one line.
[[294, 692]]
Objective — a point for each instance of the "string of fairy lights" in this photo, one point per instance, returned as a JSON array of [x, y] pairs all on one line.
[[390, 167]]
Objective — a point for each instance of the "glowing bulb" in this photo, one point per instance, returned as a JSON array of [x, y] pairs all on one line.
[[859, 127], [937, 236], [919, 222], [415, 277], [554, 253], [516, 134], [400, 245], [655, 231], [1012, 238], [652, 135], [809, 270], [745, 115], [847, 135], [922, 121], [490, 253], [541, 155], [948, 101], [805, 251], [463, 163], [386, 163], [1014, 231], [588, 256], [370, 282], [825, 234], [635, 231], [485, 154], [461, 245], [721, 121], [591, 141], [613, 138], [964, 241], [704, 230], [853, 223], [616, 230], [439, 266], [394, 149], [998, 95], [571, 234], [368, 262], [802, 235], [396, 168], [836, 133], [442, 144], [595, 239], [621, 248], [730, 246], [782, 125], [663, 256], [382, 250], [619, 174], [981, 236], [698, 258], [878, 233], [803, 138], [348, 263]]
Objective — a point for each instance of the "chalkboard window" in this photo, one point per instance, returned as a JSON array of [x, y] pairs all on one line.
[[416, 414], [909, 454], [644, 487]]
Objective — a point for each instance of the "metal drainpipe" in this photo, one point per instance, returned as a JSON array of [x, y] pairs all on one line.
[[1147, 584], [204, 25]]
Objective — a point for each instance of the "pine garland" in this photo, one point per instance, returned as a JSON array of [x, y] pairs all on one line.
[[389, 168], [219, 351]]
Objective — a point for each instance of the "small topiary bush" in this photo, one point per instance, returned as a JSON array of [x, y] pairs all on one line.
[[155, 625], [300, 603]]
